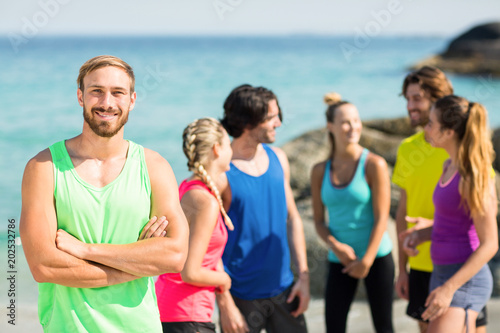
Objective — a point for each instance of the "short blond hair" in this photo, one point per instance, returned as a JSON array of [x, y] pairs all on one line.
[[104, 61]]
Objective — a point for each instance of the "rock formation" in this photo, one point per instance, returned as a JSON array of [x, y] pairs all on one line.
[[477, 51]]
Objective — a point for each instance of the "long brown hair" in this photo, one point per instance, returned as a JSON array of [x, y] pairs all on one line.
[[334, 101], [469, 120]]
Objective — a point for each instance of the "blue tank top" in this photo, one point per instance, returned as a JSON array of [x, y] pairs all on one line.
[[350, 212], [257, 257]]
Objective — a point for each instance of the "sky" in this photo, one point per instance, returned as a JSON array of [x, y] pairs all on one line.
[[444, 18]]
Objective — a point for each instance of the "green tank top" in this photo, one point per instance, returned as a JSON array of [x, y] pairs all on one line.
[[113, 214]]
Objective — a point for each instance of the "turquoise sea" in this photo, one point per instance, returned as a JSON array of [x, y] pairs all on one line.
[[179, 79]]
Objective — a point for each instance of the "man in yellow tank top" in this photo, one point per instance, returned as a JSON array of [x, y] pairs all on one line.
[[417, 171], [101, 216]]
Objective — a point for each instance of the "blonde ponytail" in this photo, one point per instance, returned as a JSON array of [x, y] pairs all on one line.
[[475, 156]]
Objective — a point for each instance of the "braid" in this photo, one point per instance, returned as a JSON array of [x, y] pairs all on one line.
[[198, 139], [205, 177], [190, 146]]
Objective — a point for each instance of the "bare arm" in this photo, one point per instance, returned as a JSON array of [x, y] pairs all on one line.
[[152, 256], [202, 212], [402, 282], [232, 321], [344, 252], [378, 180], [38, 226], [318, 208], [486, 227], [297, 241]]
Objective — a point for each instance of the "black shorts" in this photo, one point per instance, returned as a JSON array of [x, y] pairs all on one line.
[[419, 290], [272, 314], [188, 327]]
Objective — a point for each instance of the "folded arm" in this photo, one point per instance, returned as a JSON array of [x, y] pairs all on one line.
[[38, 226], [152, 256]]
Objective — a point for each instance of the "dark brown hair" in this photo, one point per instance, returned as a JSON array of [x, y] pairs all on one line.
[[430, 79], [246, 106]]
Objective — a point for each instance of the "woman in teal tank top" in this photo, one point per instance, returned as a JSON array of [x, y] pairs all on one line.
[[353, 186]]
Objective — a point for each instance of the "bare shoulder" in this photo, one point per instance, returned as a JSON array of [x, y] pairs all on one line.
[[155, 162], [317, 175], [161, 176], [42, 157], [280, 152], [318, 170], [38, 192], [200, 199], [198, 203], [153, 156], [319, 166], [375, 162], [40, 163], [281, 155]]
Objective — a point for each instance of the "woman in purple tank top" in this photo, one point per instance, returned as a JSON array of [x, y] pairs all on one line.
[[464, 235]]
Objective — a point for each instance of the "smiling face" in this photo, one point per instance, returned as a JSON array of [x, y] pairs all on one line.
[[346, 126], [418, 105], [106, 100], [434, 134], [265, 132]]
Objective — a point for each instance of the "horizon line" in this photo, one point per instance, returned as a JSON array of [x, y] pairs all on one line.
[[235, 35]]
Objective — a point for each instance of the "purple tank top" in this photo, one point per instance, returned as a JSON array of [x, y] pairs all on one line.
[[454, 236]]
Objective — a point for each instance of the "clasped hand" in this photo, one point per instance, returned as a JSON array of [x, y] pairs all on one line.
[[156, 227]]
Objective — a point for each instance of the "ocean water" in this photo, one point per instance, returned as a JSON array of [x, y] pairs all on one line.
[[179, 79]]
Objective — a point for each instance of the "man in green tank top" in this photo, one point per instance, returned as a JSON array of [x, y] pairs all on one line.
[[101, 216]]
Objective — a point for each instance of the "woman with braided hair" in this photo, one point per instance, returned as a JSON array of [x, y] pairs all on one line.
[[186, 300], [464, 231]]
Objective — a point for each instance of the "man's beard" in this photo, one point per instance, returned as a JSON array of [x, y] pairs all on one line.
[[422, 121], [103, 128]]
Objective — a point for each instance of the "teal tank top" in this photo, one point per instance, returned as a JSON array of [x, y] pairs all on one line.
[[350, 212], [113, 214]]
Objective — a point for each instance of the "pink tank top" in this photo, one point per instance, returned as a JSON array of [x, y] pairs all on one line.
[[181, 301], [454, 236]]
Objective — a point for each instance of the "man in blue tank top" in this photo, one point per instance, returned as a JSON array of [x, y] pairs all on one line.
[[267, 225], [85, 201]]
